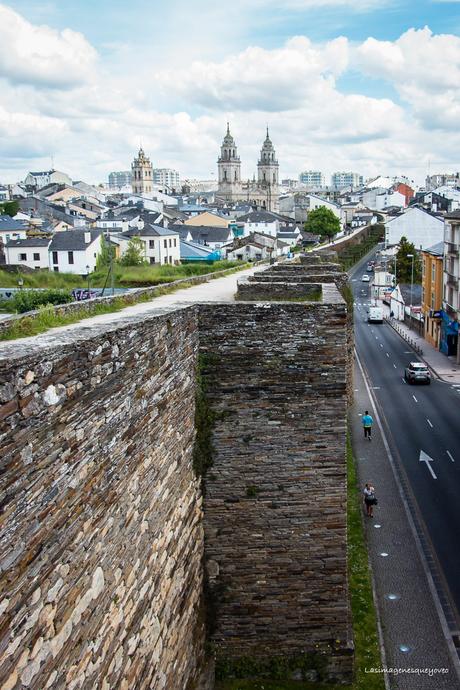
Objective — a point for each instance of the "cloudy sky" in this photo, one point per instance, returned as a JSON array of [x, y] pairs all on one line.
[[369, 85]]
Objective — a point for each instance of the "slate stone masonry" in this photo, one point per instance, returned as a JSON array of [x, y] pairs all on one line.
[[275, 504], [102, 532]]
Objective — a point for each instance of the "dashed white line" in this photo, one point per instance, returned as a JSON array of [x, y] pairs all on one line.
[[395, 366], [429, 423], [387, 354], [404, 380], [415, 398], [381, 344], [450, 456]]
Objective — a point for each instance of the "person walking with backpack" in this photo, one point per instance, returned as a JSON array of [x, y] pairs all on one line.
[[367, 424], [369, 499]]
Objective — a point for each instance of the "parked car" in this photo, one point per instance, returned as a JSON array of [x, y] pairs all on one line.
[[417, 372], [365, 278], [369, 268]]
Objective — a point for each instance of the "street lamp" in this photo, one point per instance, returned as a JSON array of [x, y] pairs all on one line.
[[88, 273], [411, 256]]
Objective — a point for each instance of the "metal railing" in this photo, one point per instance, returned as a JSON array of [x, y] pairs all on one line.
[[402, 332]]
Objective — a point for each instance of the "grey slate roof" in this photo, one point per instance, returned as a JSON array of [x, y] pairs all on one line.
[[258, 217], [204, 233], [405, 290], [29, 242], [436, 249], [72, 240], [151, 230], [192, 250], [8, 223]]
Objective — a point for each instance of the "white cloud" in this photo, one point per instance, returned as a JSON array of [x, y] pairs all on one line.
[[256, 78], [41, 55], [425, 70]]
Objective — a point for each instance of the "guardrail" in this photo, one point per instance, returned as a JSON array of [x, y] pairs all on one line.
[[401, 331]]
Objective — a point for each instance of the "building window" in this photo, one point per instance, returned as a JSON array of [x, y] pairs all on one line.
[[36, 256], [22, 257], [55, 257], [165, 243], [152, 259], [152, 245], [165, 260], [175, 243], [433, 271], [170, 242], [70, 257], [432, 300], [56, 269]]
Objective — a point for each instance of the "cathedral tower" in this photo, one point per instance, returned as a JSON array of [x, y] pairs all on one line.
[[229, 169], [142, 180], [267, 167]]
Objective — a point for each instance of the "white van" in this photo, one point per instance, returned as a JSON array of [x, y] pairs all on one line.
[[375, 315]]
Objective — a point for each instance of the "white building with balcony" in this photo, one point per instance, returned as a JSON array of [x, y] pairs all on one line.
[[451, 291]]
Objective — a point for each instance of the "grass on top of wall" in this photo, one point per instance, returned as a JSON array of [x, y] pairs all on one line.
[[49, 317], [125, 276]]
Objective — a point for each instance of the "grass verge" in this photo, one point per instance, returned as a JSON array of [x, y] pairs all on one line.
[[367, 650]]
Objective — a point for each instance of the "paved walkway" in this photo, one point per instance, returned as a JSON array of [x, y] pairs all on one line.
[[443, 367], [413, 630]]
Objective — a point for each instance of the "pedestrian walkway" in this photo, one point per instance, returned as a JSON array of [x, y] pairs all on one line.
[[443, 367], [416, 640]]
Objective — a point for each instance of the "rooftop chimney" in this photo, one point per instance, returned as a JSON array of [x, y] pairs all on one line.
[[87, 237]]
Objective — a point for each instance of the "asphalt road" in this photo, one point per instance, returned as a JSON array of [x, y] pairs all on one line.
[[417, 418]]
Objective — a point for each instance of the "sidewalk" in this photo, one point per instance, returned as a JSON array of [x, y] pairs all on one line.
[[413, 636], [443, 367]]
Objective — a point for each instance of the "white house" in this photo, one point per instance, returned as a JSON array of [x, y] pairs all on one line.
[[11, 229], [75, 251], [249, 251], [4, 193], [260, 221], [212, 237], [43, 178], [162, 245], [315, 202], [403, 297], [31, 252], [421, 227]]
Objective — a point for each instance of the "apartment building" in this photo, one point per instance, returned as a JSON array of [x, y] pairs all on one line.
[[451, 299]]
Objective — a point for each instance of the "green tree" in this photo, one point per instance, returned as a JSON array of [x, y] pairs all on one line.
[[107, 253], [134, 255], [404, 263], [322, 221], [9, 208]]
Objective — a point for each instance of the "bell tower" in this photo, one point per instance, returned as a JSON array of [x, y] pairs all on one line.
[[229, 169], [142, 180], [267, 175]]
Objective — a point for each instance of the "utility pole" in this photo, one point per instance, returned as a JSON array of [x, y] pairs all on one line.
[[411, 256]]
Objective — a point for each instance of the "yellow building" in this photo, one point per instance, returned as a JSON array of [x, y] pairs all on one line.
[[432, 279], [211, 220]]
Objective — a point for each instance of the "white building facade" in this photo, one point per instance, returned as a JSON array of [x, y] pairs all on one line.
[[420, 227]]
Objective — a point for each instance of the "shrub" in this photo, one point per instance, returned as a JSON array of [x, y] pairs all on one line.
[[28, 300]]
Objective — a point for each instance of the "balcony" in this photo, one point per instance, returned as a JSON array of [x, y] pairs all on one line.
[[450, 310], [451, 278], [451, 248]]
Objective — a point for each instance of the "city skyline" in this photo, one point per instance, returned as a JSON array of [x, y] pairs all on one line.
[[339, 88]]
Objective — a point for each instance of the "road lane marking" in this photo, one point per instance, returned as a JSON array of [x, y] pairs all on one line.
[[450, 456], [376, 388], [429, 423], [427, 460], [387, 354], [403, 380], [381, 344], [395, 366], [415, 398]]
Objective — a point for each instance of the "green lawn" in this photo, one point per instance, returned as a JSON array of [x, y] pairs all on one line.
[[125, 276]]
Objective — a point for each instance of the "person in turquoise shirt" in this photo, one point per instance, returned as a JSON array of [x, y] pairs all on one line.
[[367, 424]]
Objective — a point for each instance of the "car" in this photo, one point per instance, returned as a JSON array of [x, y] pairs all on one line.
[[417, 372], [370, 268], [365, 278]]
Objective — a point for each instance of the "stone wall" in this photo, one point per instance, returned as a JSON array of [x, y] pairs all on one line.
[[275, 504], [262, 290], [102, 536]]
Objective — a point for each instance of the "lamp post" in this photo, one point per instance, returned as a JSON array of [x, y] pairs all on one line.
[[88, 274], [411, 256]]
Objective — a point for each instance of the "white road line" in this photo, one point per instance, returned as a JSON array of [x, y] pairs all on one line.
[[450, 456], [395, 366], [424, 457], [387, 354], [429, 423], [381, 344], [403, 380], [415, 398]]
